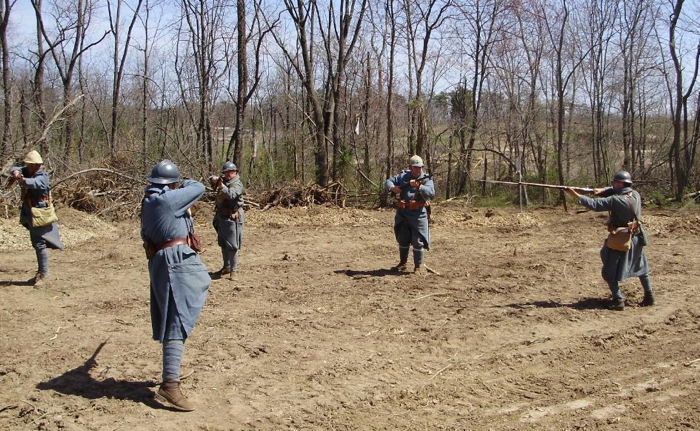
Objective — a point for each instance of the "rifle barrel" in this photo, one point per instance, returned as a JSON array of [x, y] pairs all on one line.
[[547, 186]]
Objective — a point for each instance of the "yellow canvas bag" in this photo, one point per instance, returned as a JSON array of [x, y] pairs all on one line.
[[43, 216]]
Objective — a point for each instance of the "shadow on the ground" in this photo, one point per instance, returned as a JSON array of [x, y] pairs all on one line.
[[583, 304], [29, 282], [369, 273], [78, 381]]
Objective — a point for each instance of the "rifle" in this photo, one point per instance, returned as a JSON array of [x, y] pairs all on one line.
[[580, 190], [419, 180]]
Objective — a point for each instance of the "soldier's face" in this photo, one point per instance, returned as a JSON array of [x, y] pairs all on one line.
[[230, 174], [416, 171], [33, 168]]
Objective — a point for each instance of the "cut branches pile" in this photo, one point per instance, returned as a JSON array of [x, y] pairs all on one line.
[[299, 195]]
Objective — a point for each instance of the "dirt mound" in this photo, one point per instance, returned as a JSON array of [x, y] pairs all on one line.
[[315, 216], [75, 227]]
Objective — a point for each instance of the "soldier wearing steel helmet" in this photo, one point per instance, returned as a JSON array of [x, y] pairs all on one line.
[[179, 279], [624, 205], [414, 191], [228, 216], [34, 182]]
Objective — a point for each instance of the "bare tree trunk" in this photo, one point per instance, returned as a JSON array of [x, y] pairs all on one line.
[[5, 12], [118, 62]]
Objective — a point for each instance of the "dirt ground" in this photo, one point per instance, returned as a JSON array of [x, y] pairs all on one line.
[[316, 333]]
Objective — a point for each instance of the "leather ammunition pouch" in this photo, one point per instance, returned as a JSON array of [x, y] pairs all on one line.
[[229, 212], [411, 205]]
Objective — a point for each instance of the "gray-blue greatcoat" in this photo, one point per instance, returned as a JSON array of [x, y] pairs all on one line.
[[412, 225], [179, 279], [620, 265], [229, 229], [37, 188]]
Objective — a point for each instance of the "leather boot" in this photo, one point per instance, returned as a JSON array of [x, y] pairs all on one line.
[[39, 280], [617, 304], [400, 267], [419, 270], [172, 394], [648, 300]]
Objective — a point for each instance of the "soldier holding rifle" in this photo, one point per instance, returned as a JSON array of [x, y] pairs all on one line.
[[179, 279], [228, 219], [34, 182], [414, 191], [625, 206]]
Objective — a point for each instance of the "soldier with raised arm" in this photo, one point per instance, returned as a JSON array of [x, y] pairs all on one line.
[[179, 279], [34, 182], [228, 217]]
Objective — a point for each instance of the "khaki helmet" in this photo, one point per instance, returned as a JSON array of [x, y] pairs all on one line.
[[416, 161], [33, 158]]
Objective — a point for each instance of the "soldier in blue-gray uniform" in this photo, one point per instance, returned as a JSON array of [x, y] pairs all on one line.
[[179, 279], [414, 191], [624, 205], [34, 182], [228, 216]]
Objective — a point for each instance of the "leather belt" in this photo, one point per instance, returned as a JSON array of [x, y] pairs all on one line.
[[228, 212], [411, 205], [172, 243]]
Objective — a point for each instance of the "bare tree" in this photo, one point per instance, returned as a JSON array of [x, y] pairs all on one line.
[[484, 19], [423, 20], [684, 146], [339, 35], [5, 11], [66, 47], [246, 89], [119, 56]]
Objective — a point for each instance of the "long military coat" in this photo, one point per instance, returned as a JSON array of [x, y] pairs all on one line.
[[622, 204], [409, 224], [229, 229], [37, 188], [179, 280]]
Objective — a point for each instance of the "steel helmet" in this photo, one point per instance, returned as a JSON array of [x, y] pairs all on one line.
[[33, 157], [228, 166], [416, 161], [164, 172], [623, 177]]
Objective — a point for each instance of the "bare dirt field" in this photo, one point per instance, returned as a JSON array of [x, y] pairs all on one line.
[[316, 333]]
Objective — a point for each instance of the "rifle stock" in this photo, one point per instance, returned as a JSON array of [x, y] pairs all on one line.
[[581, 190]]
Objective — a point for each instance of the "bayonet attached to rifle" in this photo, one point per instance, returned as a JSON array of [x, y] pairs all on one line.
[[580, 190]]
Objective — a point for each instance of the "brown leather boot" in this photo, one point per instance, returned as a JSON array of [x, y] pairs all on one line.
[[172, 394], [39, 280], [400, 267]]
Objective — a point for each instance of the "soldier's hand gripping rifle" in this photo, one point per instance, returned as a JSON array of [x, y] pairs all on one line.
[[580, 190], [416, 182]]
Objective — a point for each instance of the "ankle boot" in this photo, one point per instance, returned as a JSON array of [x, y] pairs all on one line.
[[617, 304], [648, 299], [172, 394]]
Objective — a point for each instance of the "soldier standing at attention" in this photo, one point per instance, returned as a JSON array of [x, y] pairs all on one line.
[[411, 219], [34, 182], [625, 205], [179, 279], [228, 216]]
